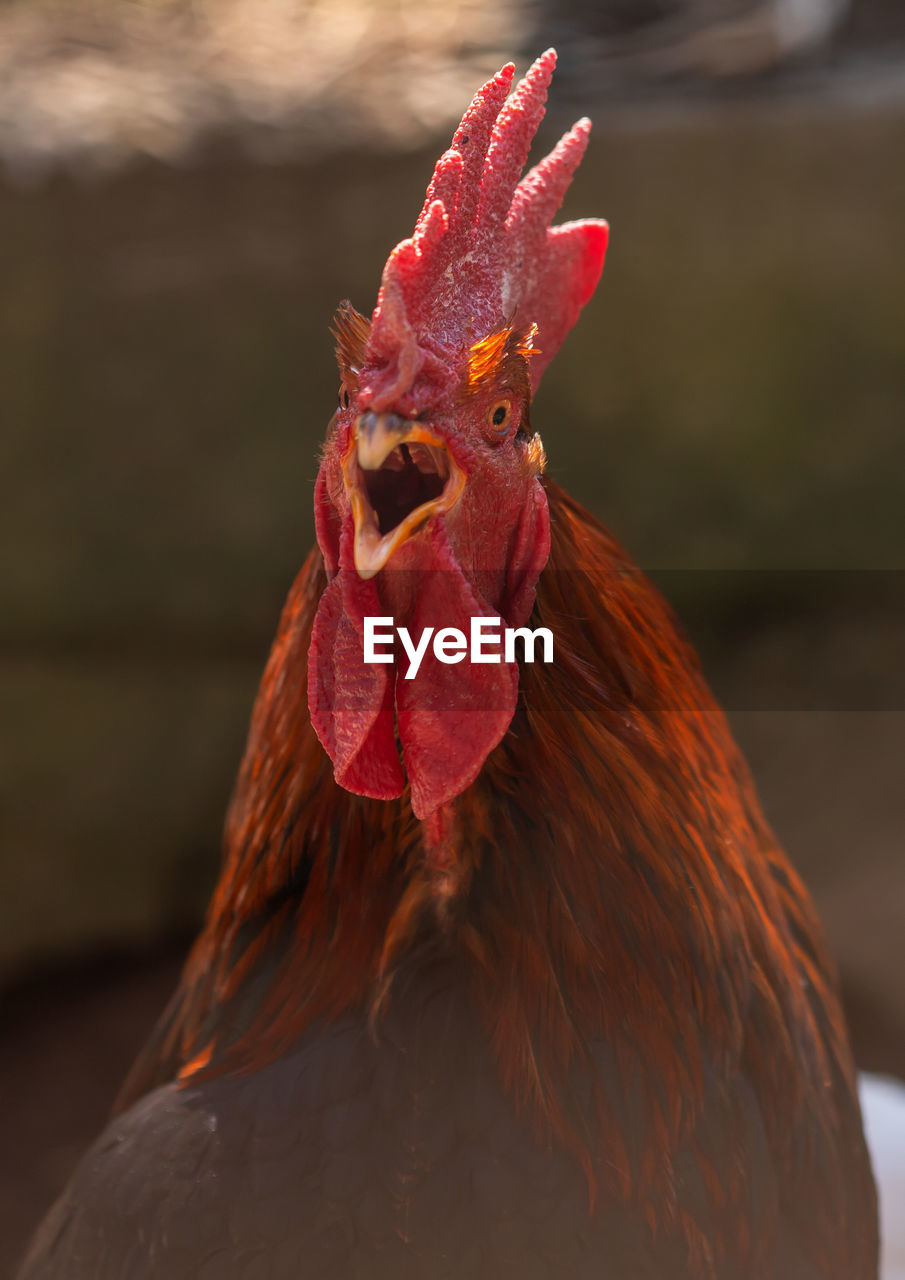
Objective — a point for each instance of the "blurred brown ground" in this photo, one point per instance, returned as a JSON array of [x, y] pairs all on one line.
[[732, 404]]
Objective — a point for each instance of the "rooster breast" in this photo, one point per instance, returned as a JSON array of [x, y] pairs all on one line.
[[346, 1157]]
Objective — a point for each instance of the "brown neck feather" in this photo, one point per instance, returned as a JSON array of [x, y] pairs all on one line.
[[620, 903]]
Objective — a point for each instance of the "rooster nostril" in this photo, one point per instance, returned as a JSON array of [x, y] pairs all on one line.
[[365, 424]]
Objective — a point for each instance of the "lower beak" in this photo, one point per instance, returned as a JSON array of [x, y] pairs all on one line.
[[398, 474]]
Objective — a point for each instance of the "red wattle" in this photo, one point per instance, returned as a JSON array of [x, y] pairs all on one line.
[[351, 701], [450, 717]]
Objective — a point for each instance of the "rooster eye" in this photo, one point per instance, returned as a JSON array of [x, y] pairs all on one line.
[[343, 396], [499, 416]]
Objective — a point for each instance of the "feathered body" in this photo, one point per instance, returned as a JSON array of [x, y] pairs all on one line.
[[576, 1018]]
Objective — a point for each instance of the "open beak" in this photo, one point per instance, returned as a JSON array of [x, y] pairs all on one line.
[[397, 475]]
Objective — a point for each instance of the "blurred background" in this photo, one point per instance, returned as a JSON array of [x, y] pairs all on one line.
[[187, 189]]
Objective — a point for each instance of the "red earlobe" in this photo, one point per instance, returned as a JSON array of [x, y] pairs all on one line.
[[529, 555], [327, 523]]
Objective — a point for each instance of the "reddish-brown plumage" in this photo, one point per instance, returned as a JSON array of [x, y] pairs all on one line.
[[609, 879], [566, 864]]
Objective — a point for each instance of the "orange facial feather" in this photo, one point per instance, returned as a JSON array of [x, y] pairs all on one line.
[[502, 359], [351, 331]]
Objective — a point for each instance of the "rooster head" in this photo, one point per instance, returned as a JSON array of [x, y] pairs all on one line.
[[429, 507]]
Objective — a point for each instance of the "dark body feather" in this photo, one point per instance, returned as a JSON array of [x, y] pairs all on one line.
[[587, 1028]]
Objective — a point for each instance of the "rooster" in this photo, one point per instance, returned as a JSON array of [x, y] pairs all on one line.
[[505, 974]]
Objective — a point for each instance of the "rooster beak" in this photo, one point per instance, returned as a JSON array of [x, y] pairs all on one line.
[[397, 474], [378, 434]]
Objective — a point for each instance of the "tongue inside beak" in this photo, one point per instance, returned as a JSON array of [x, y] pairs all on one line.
[[398, 474]]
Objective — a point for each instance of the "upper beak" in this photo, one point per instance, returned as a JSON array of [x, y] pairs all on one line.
[[397, 475]]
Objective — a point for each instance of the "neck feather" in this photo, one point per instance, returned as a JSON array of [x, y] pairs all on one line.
[[633, 935]]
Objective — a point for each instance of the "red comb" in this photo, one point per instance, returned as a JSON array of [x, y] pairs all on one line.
[[483, 253]]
